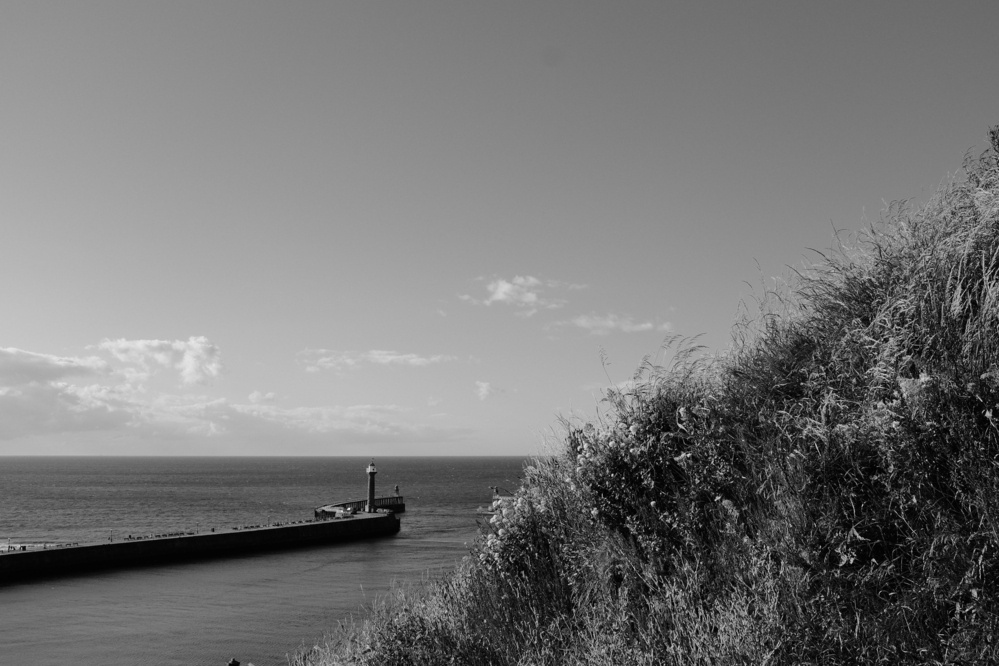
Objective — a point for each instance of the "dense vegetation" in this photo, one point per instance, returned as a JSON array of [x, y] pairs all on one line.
[[827, 492]]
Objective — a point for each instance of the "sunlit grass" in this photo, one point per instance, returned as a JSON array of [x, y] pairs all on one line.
[[828, 492]]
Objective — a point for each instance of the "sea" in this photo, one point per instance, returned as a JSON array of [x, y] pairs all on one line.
[[257, 608]]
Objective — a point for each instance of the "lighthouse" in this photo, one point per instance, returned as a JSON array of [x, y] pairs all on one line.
[[371, 487], [369, 504]]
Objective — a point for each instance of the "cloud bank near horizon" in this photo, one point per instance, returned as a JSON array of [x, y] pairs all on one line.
[[45, 394]]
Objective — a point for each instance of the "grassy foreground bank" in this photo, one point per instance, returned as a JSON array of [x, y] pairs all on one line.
[[827, 492]]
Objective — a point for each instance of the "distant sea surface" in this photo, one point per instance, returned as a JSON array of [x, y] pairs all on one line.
[[258, 608]]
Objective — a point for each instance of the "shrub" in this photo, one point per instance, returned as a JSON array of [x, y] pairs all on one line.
[[827, 492]]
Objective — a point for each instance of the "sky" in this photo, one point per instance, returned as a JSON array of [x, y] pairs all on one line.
[[424, 227]]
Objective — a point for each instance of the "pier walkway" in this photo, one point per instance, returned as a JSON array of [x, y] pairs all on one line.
[[19, 565], [395, 504]]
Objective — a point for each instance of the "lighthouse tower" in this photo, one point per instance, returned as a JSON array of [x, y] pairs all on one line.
[[371, 487]]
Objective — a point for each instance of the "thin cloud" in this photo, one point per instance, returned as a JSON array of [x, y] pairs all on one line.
[[39, 408], [259, 396], [197, 359], [37, 396], [316, 360], [337, 424], [526, 293], [361, 419], [611, 323], [18, 366], [483, 390]]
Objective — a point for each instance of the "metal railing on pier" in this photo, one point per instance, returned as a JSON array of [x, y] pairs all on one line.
[[395, 503]]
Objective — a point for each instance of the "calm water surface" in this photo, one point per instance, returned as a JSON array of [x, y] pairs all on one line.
[[258, 608]]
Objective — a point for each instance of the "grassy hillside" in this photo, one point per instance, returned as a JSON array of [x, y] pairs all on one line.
[[828, 492]]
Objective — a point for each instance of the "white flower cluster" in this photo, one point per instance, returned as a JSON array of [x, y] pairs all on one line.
[[604, 448], [506, 524]]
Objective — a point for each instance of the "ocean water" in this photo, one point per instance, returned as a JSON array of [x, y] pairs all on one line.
[[258, 608]]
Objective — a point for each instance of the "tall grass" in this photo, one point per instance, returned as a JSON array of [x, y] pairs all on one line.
[[828, 492]]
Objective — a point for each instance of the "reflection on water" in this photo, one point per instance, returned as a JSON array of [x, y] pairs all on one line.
[[256, 608]]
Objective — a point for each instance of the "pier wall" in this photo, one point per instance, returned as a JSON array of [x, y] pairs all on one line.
[[17, 566]]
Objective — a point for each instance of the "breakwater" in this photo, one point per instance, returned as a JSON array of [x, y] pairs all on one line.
[[396, 504], [16, 566]]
